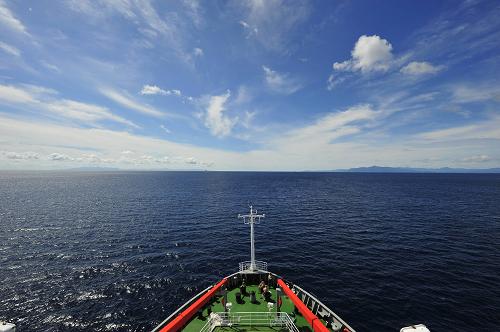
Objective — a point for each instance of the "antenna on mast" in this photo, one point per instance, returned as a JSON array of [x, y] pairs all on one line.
[[252, 218]]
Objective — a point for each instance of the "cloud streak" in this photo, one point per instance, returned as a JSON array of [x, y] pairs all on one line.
[[8, 19], [270, 23], [280, 83], [149, 21], [126, 101], [420, 68], [328, 128], [9, 49], [477, 131], [40, 98]]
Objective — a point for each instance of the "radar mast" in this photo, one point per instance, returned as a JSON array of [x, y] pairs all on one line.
[[252, 218]]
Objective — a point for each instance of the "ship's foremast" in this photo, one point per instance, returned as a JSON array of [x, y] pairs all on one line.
[[252, 218]]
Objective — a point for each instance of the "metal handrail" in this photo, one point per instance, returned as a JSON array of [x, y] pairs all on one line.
[[180, 309], [247, 266], [321, 307], [272, 319]]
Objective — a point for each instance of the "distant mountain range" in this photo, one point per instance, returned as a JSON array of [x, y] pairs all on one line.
[[370, 169], [381, 169]]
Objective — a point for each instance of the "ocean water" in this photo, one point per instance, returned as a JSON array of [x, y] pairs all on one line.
[[119, 251]]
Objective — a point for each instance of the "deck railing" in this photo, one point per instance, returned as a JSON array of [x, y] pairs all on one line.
[[271, 319], [247, 266], [181, 309], [318, 308]]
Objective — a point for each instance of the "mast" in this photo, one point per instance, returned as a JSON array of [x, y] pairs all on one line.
[[252, 218]]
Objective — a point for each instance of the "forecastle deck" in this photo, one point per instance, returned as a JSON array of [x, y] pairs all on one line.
[[210, 311]]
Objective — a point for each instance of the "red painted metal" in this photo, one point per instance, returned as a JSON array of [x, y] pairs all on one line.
[[178, 322], [311, 318]]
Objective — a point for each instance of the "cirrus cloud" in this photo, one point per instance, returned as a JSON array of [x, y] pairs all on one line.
[[280, 82], [41, 98], [420, 68], [9, 20], [9, 49]]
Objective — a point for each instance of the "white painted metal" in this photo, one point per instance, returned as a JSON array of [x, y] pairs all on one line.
[[259, 265], [271, 319], [252, 218], [415, 328], [7, 327]]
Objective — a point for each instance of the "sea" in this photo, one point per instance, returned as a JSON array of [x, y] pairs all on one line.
[[120, 251]]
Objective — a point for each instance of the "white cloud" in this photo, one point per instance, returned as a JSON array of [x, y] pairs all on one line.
[[153, 24], [459, 34], [51, 66], [129, 103], [198, 52], [11, 94], [243, 96], [164, 160], [193, 11], [248, 119], [479, 158], [165, 129], [37, 90], [88, 113], [90, 158], [467, 93], [156, 90], [479, 130], [21, 155], [370, 53], [250, 31], [59, 157], [152, 90], [280, 83], [316, 146], [331, 82], [219, 124], [8, 19], [330, 127], [9, 49], [117, 148], [271, 22], [191, 161], [143, 14], [420, 68], [41, 98]]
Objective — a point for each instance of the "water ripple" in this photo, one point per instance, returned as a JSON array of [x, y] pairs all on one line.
[[120, 251]]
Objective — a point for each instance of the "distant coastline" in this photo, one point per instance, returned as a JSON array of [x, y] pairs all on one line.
[[383, 169], [369, 169]]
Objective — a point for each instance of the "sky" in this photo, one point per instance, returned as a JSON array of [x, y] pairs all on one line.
[[249, 85]]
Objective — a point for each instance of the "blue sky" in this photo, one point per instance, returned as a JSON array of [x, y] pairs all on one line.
[[249, 85]]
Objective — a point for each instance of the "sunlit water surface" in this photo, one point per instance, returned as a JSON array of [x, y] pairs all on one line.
[[121, 250]]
